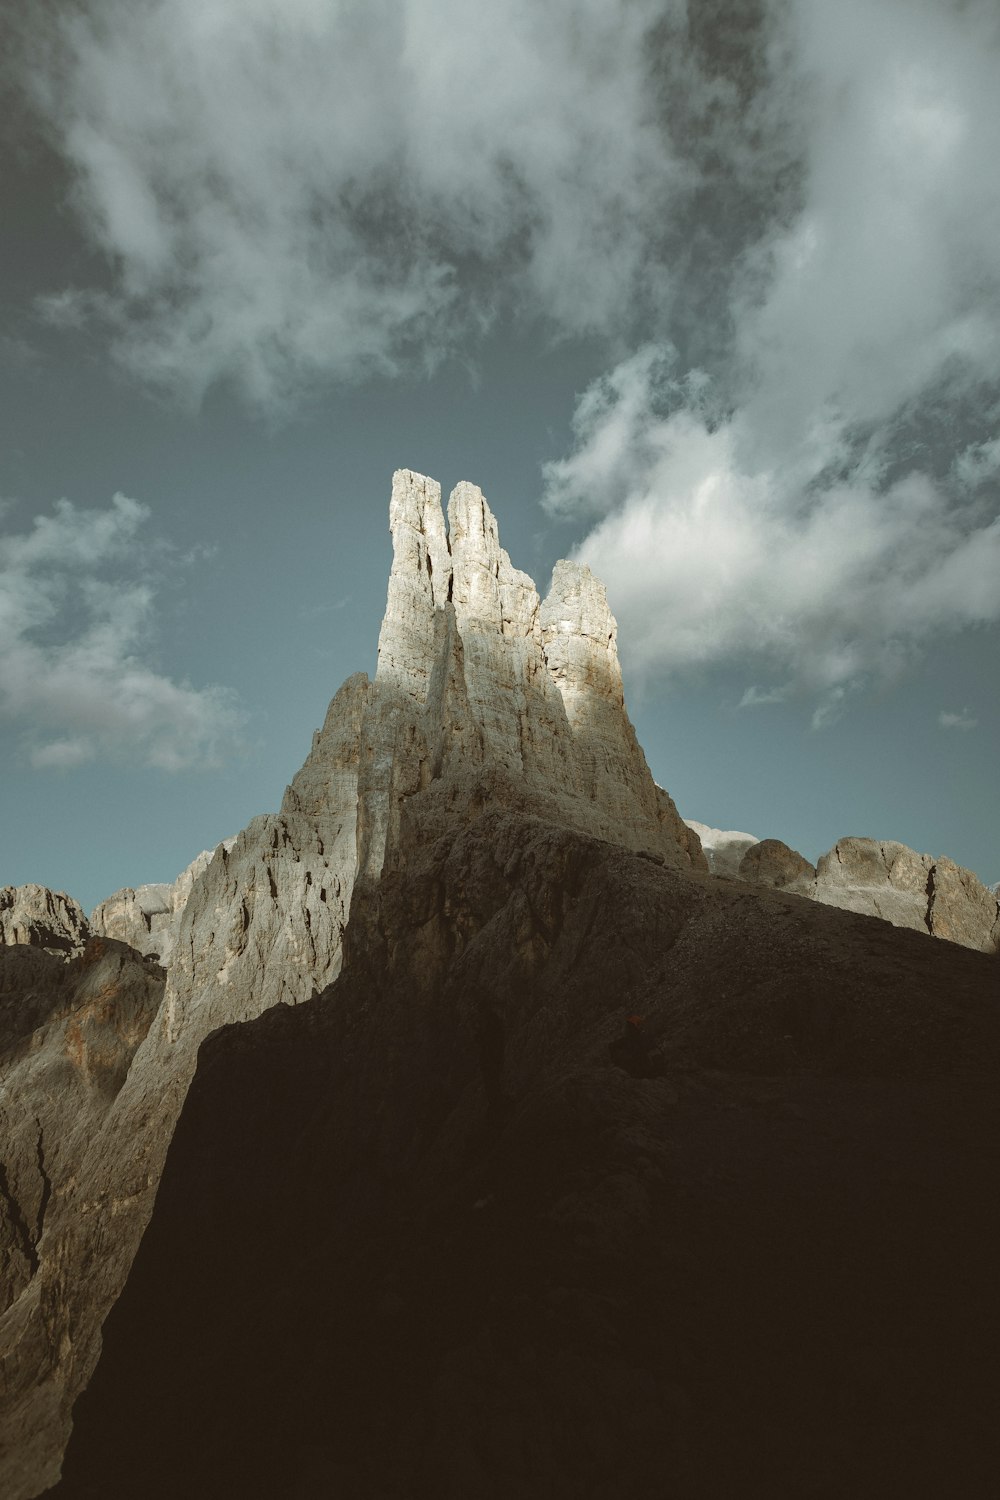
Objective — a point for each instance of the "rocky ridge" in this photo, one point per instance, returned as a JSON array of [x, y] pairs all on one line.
[[484, 695], [37, 917], [875, 877], [147, 917], [500, 1240]]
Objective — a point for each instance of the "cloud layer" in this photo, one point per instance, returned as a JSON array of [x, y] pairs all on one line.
[[823, 499], [291, 191], [76, 618], [783, 216]]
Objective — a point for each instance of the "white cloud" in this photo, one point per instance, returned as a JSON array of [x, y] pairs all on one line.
[[76, 620], [289, 189], [965, 720], [800, 509], [755, 697]]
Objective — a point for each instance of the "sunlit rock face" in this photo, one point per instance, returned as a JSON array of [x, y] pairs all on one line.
[[148, 916], [484, 697], [876, 877], [34, 916], [909, 890], [484, 693]]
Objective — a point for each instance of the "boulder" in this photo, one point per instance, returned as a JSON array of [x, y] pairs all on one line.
[[773, 863]]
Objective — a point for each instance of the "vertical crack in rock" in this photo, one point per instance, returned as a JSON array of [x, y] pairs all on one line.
[[46, 1193], [25, 1241], [931, 882]]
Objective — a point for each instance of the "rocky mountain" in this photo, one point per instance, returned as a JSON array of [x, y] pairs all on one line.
[[49, 920], [463, 1225], [524, 1153], [71, 1022], [148, 917], [484, 696], [878, 877]]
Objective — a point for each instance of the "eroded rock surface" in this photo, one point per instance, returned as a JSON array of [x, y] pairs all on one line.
[[876, 877], [32, 915], [147, 916], [908, 889], [69, 1029]]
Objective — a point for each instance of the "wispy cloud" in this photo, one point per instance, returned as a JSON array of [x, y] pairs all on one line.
[[289, 190], [965, 720], [77, 618], [755, 697]]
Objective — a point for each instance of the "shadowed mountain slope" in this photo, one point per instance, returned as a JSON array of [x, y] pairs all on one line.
[[457, 1228]]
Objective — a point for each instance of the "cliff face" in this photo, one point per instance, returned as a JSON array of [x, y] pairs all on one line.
[[70, 1026], [33, 916], [484, 696], [485, 693], [148, 916]]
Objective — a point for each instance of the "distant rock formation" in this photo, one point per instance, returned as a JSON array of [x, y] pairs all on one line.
[[878, 878], [147, 917], [40, 918], [909, 890], [484, 696]]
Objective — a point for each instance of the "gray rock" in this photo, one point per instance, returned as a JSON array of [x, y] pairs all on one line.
[[886, 879], [69, 1030], [40, 918], [147, 917], [875, 877]]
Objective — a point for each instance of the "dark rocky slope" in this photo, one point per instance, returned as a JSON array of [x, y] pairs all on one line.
[[456, 1230]]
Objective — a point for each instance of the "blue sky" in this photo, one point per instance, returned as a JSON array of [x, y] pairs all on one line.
[[707, 296]]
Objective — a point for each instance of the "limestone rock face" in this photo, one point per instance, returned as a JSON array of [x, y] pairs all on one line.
[[876, 877], [69, 1030], [773, 863], [147, 917], [40, 918], [484, 697], [889, 880], [484, 694]]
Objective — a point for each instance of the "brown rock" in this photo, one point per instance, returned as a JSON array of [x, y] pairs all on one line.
[[773, 863]]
